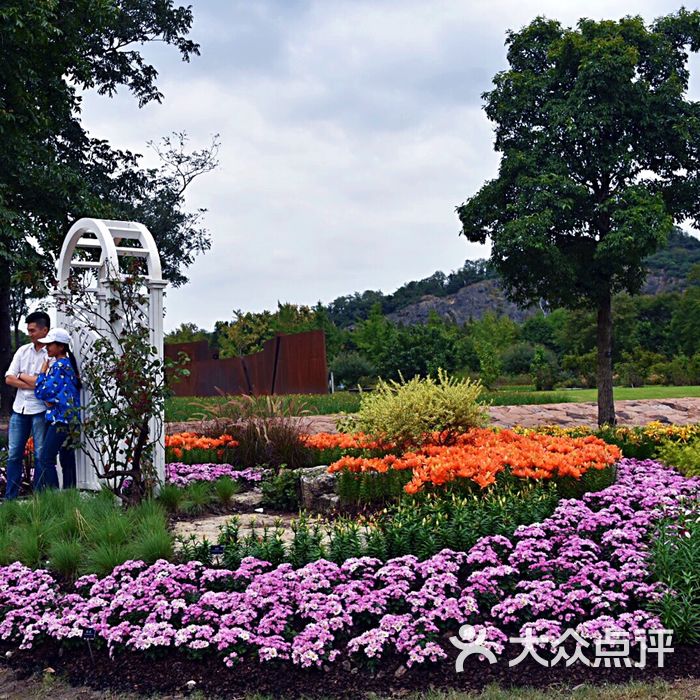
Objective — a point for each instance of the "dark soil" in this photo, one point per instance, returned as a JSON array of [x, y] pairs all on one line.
[[168, 672]]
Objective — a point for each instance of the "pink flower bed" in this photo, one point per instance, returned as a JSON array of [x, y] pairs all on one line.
[[586, 567], [182, 474]]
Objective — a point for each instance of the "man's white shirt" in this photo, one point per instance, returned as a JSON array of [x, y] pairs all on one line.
[[27, 360]]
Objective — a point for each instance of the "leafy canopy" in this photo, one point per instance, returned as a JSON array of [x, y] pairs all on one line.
[[600, 153]]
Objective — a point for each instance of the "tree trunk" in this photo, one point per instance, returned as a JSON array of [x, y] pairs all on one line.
[[5, 338], [606, 405]]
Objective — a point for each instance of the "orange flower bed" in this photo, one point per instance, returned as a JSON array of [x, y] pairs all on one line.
[[191, 441], [344, 441], [481, 454]]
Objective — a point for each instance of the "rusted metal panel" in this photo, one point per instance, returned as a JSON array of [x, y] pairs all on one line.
[[210, 377], [260, 368], [198, 350], [288, 364], [301, 364]]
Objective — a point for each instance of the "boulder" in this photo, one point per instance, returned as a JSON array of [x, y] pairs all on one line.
[[318, 489]]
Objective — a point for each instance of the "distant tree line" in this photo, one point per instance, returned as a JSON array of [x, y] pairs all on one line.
[[656, 340]]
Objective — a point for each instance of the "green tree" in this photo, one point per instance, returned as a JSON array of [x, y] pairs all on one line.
[[685, 324], [599, 157], [248, 332], [51, 50], [187, 333], [375, 338]]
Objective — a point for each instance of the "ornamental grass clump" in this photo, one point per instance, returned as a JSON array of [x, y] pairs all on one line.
[[409, 412], [75, 533]]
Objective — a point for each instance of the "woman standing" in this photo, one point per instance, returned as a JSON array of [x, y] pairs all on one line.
[[58, 385]]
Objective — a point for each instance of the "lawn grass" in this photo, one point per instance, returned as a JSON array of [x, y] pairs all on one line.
[[679, 690], [184, 408], [55, 687]]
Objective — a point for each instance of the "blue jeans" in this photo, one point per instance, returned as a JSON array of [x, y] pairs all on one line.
[[45, 475], [22, 426]]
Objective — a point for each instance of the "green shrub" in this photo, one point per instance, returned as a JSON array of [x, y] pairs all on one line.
[[104, 557], [581, 369], [685, 458], [151, 545], [281, 492], [406, 413], [517, 358], [676, 563], [544, 369], [350, 369], [635, 366]]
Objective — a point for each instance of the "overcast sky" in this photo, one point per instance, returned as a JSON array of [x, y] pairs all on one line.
[[350, 130]]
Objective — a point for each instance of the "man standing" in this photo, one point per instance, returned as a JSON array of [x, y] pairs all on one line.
[[27, 411]]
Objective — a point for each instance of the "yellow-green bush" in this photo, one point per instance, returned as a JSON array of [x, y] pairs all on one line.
[[406, 412], [684, 457]]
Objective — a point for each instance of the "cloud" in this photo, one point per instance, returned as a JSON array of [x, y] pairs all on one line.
[[350, 132]]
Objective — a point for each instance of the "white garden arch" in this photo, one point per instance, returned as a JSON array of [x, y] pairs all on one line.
[[96, 246]]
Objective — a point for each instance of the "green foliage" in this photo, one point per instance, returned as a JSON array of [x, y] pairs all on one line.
[[683, 457], [187, 333], [77, 533], [421, 526], [544, 369], [575, 230], [171, 497], [281, 491], [65, 557], [580, 369], [676, 563], [225, 489], [249, 331], [424, 348], [198, 497], [634, 370], [371, 487], [150, 546], [517, 358], [405, 413], [50, 169], [351, 369]]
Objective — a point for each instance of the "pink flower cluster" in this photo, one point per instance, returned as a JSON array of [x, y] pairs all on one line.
[[182, 474], [586, 568]]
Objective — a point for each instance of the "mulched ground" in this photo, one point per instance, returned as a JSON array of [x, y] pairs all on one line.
[[166, 672]]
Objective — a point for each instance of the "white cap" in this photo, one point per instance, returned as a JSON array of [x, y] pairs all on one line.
[[56, 335]]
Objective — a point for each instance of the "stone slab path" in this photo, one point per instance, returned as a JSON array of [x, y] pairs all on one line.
[[632, 412]]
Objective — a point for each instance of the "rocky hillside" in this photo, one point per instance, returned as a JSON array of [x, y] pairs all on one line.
[[668, 270]]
